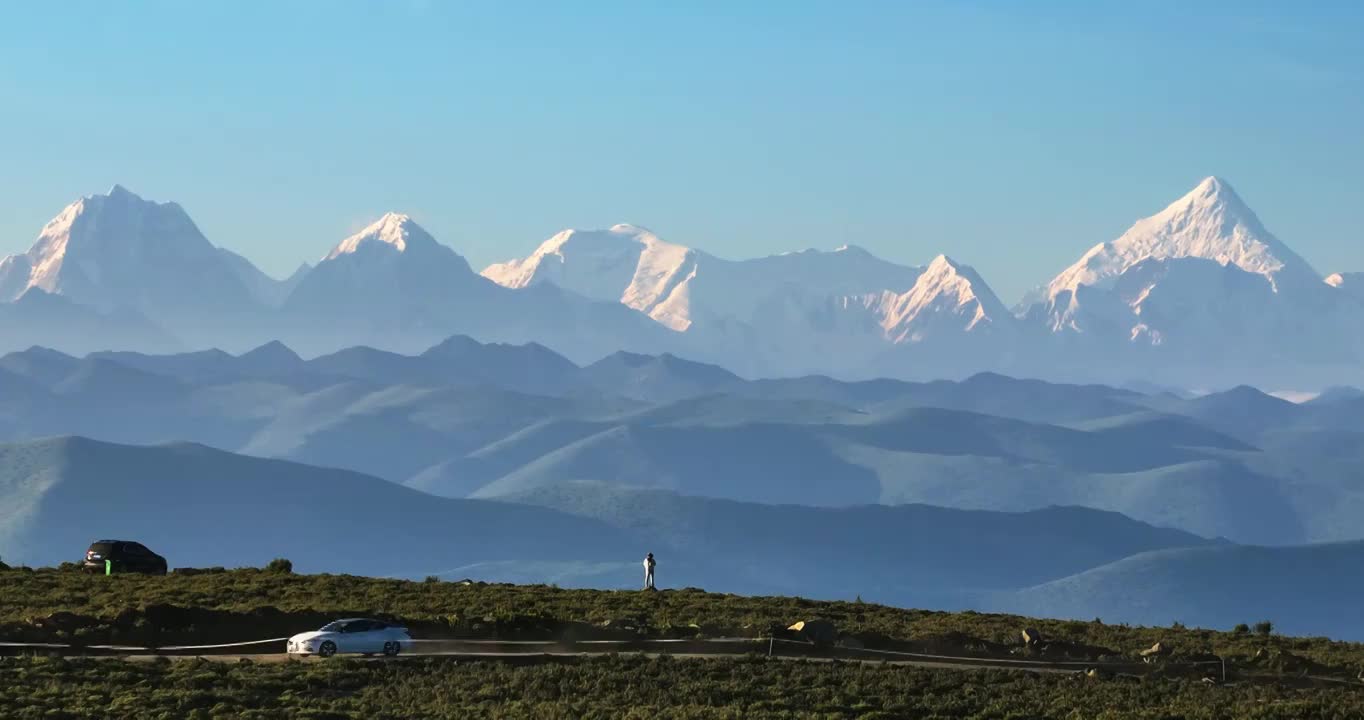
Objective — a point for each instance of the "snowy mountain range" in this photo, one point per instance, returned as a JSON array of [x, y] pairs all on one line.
[[1201, 293], [679, 286]]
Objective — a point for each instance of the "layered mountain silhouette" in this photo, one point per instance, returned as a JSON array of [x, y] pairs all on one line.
[[1200, 294], [467, 419], [512, 462], [203, 507]]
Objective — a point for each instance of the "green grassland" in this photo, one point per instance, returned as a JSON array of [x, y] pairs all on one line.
[[1291, 678], [63, 606], [621, 686]]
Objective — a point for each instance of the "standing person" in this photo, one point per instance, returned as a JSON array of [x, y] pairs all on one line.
[[649, 571]]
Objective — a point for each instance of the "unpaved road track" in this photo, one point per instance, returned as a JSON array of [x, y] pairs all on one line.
[[533, 651], [542, 656], [536, 656]]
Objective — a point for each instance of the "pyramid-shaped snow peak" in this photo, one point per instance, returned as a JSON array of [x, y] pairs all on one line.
[[392, 232], [71, 245], [393, 263], [1210, 222], [947, 297], [118, 249]]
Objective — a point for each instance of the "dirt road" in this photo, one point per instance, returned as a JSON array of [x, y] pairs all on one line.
[[535, 651]]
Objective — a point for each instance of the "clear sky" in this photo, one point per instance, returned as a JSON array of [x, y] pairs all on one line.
[[1010, 135]]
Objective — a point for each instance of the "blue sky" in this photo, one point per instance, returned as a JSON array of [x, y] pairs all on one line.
[[1010, 135]]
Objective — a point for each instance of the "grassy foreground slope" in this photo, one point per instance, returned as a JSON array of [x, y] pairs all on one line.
[[621, 687], [240, 605]]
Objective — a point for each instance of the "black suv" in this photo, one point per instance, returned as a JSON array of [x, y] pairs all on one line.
[[123, 556]]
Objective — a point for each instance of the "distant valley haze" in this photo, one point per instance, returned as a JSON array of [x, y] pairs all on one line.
[[511, 462]]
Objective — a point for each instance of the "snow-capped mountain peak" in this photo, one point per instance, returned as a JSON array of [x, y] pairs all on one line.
[[119, 249], [49, 254], [625, 263], [596, 251], [1210, 222], [944, 273], [948, 297], [391, 269], [679, 286], [395, 231]]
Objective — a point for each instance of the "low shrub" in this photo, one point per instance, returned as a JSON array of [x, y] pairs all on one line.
[[626, 686], [280, 565]]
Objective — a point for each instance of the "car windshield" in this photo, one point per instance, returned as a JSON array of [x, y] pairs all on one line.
[[337, 626]]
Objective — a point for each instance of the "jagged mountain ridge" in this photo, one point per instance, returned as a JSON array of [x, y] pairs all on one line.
[[397, 287], [679, 286], [947, 297], [1200, 280], [118, 250]]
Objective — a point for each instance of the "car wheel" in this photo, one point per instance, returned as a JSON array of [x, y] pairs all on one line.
[[391, 648], [327, 649]]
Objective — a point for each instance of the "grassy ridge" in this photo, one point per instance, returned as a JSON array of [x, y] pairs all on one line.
[[629, 687], [249, 604]]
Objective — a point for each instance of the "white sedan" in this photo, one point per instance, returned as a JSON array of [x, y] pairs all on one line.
[[354, 635]]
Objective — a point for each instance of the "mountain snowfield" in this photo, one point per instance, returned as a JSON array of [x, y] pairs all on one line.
[[117, 249], [144, 268], [1204, 290], [1199, 294], [679, 286], [655, 275], [947, 298], [1203, 275], [1210, 222], [390, 233]]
